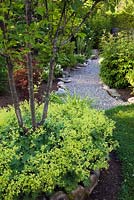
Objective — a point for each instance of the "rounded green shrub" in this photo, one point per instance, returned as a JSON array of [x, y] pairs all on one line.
[[74, 140], [117, 54]]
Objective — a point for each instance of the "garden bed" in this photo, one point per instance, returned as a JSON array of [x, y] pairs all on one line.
[[110, 180]]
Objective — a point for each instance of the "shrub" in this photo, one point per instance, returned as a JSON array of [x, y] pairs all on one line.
[[66, 57], [63, 60], [117, 53], [69, 60], [80, 58], [74, 140], [21, 79], [57, 72]]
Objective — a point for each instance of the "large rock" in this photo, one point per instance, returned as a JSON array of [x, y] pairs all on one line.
[[94, 178], [93, 57], [65, 80], [81, 65], [80, 193], [113, 93], [61, 92], [61, 84], [131, 100], [59, 196], [105, 87]]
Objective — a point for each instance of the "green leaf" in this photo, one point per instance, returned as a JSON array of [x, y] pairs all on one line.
[[40, 10]]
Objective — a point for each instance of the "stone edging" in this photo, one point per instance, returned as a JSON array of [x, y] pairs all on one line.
[[80, 193]]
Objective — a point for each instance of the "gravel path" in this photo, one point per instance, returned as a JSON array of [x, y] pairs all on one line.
[[86, 82]]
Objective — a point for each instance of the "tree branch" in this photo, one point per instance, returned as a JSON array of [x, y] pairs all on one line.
[[60, 20], [47, 12], [82, 22], [52, 65], [29, 66], [10, 74]]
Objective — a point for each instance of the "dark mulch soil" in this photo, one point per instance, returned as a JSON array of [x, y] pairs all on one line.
[[109, 181], [6, 99], [125, 93]]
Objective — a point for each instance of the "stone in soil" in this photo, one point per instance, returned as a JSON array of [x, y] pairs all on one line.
[[81, 65], [61, 92], [113, 93], [80, 193], [65, 80], [61, 85], [105, 87], [59, 196], [131, 100]]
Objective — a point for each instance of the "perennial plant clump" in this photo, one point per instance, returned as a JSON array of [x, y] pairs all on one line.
[[74, 140]]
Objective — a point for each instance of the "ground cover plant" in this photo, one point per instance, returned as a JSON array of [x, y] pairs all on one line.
[[74, 140], [124, 133]]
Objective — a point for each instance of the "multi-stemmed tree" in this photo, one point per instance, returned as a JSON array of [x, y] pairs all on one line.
[[43, 25]]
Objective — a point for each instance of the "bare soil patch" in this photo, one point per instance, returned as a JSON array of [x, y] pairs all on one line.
[[109, 182], [6, 99], [125, 93]]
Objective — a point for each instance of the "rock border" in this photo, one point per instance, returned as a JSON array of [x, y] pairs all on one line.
[[80, 193], [131, 100], [111, 91]]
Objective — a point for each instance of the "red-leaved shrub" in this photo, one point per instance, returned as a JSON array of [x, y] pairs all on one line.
[[21, 79]]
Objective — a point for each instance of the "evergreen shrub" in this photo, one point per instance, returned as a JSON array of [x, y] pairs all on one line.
[[117, 53], [74, 140]]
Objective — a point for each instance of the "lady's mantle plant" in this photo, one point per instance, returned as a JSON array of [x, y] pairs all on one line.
[[74, 140]]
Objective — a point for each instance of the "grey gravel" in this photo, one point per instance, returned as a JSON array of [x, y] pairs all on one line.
[[86, 83]]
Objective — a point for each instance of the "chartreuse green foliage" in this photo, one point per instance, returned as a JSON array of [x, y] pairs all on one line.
[[123, 17], [130, 78], [124, 133], [74, 139], [117, 54]]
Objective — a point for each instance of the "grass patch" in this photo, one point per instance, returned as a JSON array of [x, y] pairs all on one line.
[[124, 133]]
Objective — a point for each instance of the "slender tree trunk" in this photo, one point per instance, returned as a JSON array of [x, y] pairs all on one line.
[[13, 92], [49, 86], [31, 88], [11, 77], [52, 66], [30, 68]]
